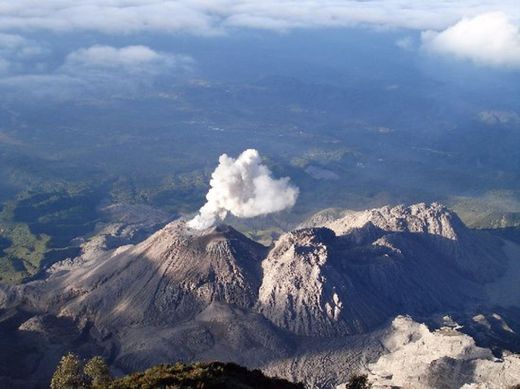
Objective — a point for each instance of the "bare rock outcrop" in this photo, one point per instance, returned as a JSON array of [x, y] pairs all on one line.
[[417, 357], [305, 290], [365, 267], [440, 228]]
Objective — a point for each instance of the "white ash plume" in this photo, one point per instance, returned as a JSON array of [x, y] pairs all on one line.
[[245, 188]]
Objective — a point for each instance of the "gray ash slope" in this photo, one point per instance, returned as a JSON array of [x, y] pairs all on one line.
[[215, 294], [170, 277]]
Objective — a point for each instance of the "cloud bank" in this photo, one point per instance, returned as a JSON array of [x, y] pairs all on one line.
[[33, 33], [133, 59], [15, 50], [107, 56], [245, 188], [214, 17], [491, 39], [98, 70]]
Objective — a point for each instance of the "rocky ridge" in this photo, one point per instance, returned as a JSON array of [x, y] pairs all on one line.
[[356, 271], [215, 294], [417, 357]]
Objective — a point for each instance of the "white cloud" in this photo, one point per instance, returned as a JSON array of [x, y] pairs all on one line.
[[14, 50], [111, 56], [406, 43], [104, 64], [130, 58], [116, 16], [97, 71], [106, 61], [11, 41], [490, 39], [17, 47], [211, 17]]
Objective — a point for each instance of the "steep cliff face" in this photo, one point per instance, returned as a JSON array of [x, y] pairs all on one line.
[[306, 290]]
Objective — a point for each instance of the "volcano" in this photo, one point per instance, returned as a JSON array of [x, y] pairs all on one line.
[[320, 295]]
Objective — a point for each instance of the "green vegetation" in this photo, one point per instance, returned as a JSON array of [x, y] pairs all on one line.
[[495, 209], [175, 193], [73, 373], [69, 373], [97, 372], [202, 375], [323, 156], [36, 229], [38, 224], [21, 251]]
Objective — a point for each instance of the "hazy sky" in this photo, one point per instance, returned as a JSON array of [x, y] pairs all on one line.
[[481, 33]]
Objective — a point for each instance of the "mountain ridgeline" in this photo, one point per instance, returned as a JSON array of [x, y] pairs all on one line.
[[215, 294]]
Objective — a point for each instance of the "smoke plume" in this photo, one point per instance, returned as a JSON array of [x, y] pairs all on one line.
[[243, 187]]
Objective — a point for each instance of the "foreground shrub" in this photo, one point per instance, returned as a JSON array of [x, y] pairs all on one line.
[[68, 374], [73, 373], [202, 375]]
